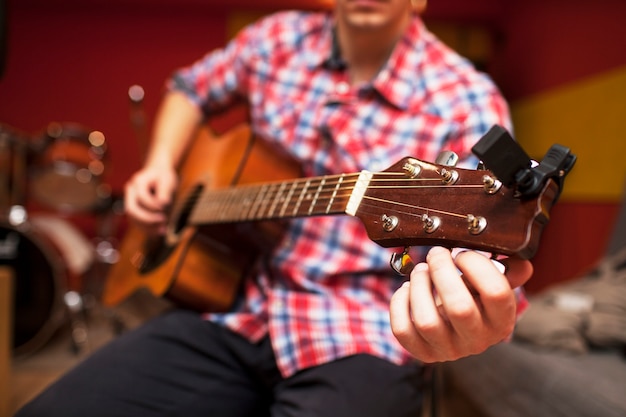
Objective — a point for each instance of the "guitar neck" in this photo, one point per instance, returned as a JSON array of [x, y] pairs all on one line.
[[327, 195]]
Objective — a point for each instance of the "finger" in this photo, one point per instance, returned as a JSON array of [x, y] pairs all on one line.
[[402, 323], [139, 214], [164, 188], [415, 319], [482, 275], [399, 314], [518, 271], [425, 303], [140, 206], [457, 300], [428, 319], [146, 191], [497, 299]]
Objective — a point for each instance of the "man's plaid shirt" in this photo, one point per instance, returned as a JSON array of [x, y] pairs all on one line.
[[326, 291]]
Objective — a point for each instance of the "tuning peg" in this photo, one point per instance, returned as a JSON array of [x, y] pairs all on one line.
[[402, 262], [447, 158]]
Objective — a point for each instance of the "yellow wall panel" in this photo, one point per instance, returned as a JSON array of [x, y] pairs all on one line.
[[590, 118]]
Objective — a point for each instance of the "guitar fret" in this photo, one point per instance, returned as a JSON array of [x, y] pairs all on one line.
[[261, 214], [277, 199], [317, 194], [201, 206], [218, 203], [253, 214], [296, 209], [223, 215], [332, 197], [239, 204], [234, 203], [288, 198], [246, 206], [228, 198]]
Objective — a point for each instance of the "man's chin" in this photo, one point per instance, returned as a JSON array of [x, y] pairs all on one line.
[[365, 20]]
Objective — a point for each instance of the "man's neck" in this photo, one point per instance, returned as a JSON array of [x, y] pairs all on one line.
[[366, 51]]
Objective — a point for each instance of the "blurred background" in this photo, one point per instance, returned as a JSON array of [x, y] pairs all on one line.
[[67, 68]]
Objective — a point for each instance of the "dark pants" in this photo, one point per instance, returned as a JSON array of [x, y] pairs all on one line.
[[181, 365]]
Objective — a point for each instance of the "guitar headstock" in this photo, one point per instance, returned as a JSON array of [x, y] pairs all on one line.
[[420, 203]]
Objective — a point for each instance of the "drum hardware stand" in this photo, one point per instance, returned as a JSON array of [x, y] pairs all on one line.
[[78, 324], [5, 168], [13, 154], [106, 252]]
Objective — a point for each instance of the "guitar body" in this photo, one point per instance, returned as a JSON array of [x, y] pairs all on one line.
[[202, 268]]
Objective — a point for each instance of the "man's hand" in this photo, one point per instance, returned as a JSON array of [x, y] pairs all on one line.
[[442, 315], [148, 195]]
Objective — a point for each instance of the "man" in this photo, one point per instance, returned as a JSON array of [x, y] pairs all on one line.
[[313, 333]]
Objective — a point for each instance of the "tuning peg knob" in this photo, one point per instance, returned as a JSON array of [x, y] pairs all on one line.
[[402, 262], [447, 158]]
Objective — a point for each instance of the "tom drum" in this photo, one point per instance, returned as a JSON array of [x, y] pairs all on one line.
[[67, 173]]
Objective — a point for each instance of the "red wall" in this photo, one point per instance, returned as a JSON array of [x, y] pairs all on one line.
[[549, 43], [76, 65]]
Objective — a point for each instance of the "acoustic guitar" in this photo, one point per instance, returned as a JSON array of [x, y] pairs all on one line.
[[235, 192]]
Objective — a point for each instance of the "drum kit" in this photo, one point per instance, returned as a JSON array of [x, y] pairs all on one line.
[[60, 172]]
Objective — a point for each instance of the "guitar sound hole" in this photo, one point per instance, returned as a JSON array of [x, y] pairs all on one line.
[[183, 216], [156, 251]]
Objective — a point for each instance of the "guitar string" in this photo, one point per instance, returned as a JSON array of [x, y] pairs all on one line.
[[312, 183], [272, 193], [275, 195], [325, 200], [306, 181]]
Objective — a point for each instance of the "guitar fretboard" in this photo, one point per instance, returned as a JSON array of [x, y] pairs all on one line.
[[325, 195]]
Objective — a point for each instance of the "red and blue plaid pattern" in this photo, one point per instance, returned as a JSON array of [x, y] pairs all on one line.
[[326, 291]]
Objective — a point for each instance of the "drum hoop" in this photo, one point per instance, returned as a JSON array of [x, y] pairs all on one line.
[[58, 314]]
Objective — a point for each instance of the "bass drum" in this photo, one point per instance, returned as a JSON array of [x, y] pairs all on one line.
[[41, 272]]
